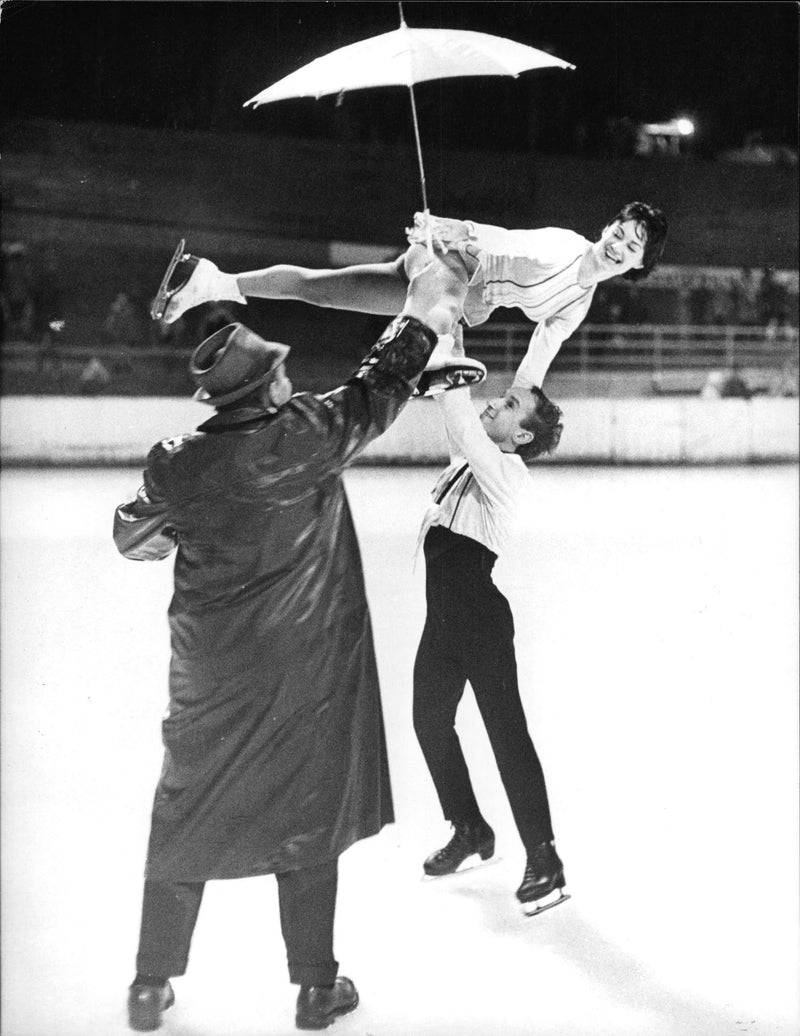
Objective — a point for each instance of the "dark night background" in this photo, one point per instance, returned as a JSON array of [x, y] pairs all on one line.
[[732, 67], [123, 129]]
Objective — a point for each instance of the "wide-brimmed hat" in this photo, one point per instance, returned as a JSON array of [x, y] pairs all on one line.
[[232, 362]]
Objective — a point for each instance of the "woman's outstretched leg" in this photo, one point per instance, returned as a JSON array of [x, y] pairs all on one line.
[[378, 288]]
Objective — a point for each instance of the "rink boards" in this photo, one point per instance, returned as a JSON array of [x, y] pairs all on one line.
[[677, 430]]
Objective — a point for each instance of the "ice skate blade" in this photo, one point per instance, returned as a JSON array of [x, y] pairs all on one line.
[[465, 868], [164, 294], [450, 374], [546, 903]]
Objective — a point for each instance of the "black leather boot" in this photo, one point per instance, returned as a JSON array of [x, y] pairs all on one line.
[[467, 840], [146, 1005], [320, 1006], [544, 874]]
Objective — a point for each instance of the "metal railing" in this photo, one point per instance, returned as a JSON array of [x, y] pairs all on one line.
[[641, 348], [595, 350]]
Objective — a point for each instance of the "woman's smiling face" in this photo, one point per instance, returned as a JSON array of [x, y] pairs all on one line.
[[621, 247]]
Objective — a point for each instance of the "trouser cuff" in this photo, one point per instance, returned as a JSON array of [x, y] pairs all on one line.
[[162, 968], [313, 974]]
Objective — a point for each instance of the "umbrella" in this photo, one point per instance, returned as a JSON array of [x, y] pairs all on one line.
[[405, 57]]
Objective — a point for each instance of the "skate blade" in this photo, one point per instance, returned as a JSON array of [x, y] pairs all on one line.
[[465, 868], [461, 378], [164, 294], [546, 903]]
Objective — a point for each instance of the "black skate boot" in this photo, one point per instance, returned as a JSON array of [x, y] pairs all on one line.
[[467, 840], [146, 1004], [543, 882]]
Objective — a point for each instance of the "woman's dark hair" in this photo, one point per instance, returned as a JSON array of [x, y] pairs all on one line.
[[545, 423], [655, 224]]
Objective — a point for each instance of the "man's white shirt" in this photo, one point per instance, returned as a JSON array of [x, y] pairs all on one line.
[[483, 501]]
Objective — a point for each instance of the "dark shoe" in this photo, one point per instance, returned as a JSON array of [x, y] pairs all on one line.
[[146, 1004], [467, 840], [318, 1007], [544, 875]]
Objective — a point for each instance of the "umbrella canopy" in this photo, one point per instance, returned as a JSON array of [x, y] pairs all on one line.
[[407, 56]]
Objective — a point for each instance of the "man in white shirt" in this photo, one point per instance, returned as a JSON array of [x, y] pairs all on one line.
[[550, 274], [469, 632]]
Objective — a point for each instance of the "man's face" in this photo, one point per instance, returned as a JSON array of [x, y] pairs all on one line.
[[502, 418], [620, 248]]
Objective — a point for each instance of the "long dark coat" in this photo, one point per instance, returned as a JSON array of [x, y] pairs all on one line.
[[275, 755]]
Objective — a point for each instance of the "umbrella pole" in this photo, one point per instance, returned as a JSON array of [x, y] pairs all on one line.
[[421, 172], [425, 209]]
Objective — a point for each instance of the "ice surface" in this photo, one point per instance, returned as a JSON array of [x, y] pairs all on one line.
[[657, 633]]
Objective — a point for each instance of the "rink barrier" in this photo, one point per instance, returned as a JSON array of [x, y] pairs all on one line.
[[112, 430]]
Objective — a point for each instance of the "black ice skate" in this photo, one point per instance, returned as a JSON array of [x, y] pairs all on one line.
[[468, 840], [543, 882], [449, 372]]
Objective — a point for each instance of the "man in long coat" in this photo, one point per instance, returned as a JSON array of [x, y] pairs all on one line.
[[275, 755]]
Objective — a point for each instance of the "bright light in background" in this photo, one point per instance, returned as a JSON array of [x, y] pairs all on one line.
[[681, 127], [664, 137]]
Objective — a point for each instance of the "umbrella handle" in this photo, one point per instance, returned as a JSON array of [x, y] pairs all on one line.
[[428, 233], [426, 210]]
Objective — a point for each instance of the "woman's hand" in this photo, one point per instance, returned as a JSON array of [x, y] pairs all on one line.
[[444, 233]]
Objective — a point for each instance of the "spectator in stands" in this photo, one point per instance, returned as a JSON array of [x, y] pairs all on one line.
[[18, 298], [700, 302], [734, 385], [48, 300], [721, 313], [728, 384], [634, 310], [601, 307], [773, 303], [744, 299], [95, 377], [787, 384], [550, 274], [125, 325]]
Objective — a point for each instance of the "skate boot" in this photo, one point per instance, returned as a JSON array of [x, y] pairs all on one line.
[[189, 282], [449, 372], [543, 882], [146, 1004], [320, 1006], [468, 839]]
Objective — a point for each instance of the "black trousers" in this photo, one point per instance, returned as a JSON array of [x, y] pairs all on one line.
[[469, 636], [307, 900]]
